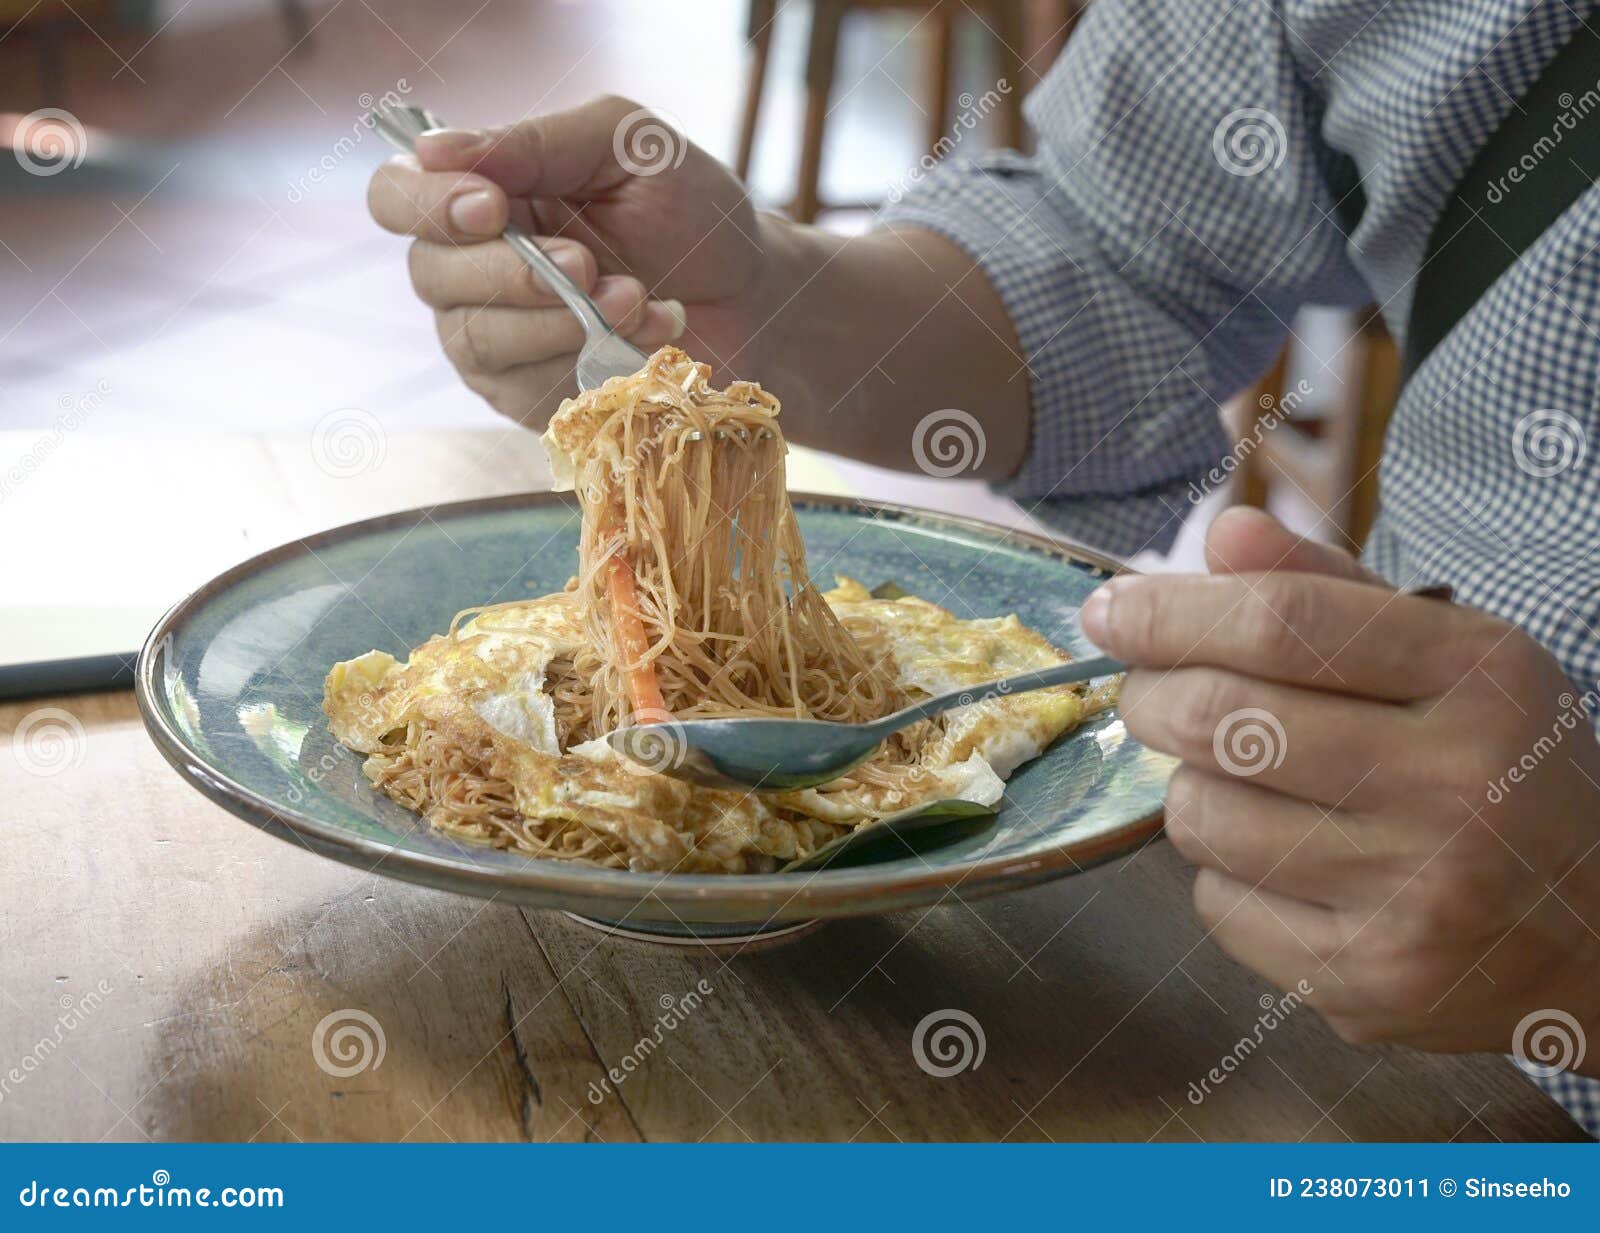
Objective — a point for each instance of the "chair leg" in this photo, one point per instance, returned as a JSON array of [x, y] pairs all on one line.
[[52, 60], [1378, 387], [940, 52], [1052, 24], [295, 24], [1251, 488], [1008, 29], [827, 16], [762, 13]]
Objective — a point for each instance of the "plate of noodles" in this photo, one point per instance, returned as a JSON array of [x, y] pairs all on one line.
[[427, 694]]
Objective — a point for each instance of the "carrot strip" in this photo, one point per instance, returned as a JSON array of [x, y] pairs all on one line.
[[627, 626]]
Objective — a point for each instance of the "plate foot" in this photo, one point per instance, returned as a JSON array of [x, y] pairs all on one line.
[[698, 933]]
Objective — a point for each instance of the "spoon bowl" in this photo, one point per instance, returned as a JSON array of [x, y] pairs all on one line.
[[767, 755]]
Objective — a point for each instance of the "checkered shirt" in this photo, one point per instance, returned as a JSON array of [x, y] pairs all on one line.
[[1181, 207]]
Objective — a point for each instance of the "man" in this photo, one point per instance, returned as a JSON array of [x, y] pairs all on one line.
[[1422, 844]]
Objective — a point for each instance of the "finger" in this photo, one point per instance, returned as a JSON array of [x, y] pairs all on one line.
[[1243, 540], [490, 338], [1289, 942], [447, 207], [661, 322], [529, 393], [563, 154], [1334, 751], [453, 275], [1267, 839], [1327, 633], [486, 339]]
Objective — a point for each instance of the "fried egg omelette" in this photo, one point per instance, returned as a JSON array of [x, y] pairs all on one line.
[[494, 732]]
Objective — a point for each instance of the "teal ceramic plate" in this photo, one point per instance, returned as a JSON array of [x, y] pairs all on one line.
[[230, 686]]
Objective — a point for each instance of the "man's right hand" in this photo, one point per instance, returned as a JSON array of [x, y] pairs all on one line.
[[652, 227]]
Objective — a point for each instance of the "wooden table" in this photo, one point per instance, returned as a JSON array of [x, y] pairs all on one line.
[[221, 949], [164, 969]]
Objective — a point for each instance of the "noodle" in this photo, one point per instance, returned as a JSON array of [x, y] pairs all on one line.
[[693, 600], [686, 485]]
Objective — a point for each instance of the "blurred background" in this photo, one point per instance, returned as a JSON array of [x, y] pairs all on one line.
[[207, 349]]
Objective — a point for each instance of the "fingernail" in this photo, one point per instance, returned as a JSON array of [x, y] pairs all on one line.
[[680, 318], [1095, 617], [474, 213]]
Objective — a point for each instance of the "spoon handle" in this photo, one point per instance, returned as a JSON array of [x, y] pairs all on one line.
[[1042, 678]]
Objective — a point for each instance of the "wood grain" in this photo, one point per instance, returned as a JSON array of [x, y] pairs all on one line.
[[221, 951]]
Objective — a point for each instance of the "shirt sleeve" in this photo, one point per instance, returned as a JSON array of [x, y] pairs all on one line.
[[1150, 255]]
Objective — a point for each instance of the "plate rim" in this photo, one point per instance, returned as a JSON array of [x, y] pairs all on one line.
[[562, 884]]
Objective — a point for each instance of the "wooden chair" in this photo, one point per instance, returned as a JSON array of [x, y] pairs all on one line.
[[1006, 22], [1330, 458], [54, 27]]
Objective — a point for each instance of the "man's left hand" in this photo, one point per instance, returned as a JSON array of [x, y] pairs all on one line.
[[1391, 798]]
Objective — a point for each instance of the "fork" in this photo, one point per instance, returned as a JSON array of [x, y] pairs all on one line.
[[603, 354]]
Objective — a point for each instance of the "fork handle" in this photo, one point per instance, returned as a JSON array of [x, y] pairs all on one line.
[[583, 308], [400, 127]]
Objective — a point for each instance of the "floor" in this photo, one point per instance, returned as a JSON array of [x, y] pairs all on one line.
[[210, 271], [221, 272]]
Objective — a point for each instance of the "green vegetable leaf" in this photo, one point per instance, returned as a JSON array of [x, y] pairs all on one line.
[[910, 832]]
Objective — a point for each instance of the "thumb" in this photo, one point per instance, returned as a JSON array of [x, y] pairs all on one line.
[[564, 154], [1243, 540]]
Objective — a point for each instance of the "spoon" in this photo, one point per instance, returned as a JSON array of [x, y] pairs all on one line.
[[603, 354], [784, 755]]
